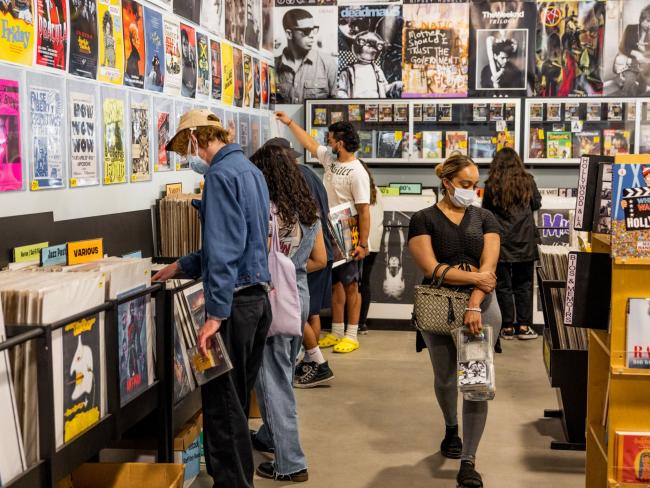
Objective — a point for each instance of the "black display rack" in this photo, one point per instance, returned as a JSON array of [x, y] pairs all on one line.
[[567, 371], [156, 403]]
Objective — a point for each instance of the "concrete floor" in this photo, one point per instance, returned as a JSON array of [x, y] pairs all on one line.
[[378, 425]]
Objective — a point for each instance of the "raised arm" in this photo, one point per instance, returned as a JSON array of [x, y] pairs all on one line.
[[305, 140]]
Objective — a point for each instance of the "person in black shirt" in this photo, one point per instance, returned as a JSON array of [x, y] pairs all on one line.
[[501, 72], [465, 237], [511, 194]]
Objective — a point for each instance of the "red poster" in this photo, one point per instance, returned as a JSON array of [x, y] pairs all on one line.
[[51, 47]]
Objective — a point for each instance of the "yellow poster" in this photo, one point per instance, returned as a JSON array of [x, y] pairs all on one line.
[[228, 92], [111, 42], [114, 158], [17, 32]]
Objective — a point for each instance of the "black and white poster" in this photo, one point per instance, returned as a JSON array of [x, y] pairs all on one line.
[[502, 61], [395, 274], [305, 36], [189, 9], [46, 110], [626, 57], [370, 51], [253, 33], [235, 12], [83, 150]]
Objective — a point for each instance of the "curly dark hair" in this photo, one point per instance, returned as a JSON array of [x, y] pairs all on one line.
[[510, 183], [346, 133], [287, 187]]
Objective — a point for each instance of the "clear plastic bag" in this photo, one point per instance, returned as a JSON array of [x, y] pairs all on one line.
[[475, 356]]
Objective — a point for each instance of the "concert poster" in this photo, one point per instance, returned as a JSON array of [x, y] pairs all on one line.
[[155, 50], [235, 11], [83, 38], [114, 157], [228, 80], [140, 142], [188, 56], [171, 30], [46, 112], [111, 43], [215, 61], [134, 43], [11, 167], [238, 70], [52, 38], [17, 20], [203, 78], [83, 149]]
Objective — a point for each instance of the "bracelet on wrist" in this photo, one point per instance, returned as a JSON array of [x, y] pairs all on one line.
[[473, 309]]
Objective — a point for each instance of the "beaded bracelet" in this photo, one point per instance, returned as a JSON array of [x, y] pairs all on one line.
[[470, 309]]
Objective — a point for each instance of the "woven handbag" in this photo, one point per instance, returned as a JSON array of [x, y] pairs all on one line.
[[439, 309]]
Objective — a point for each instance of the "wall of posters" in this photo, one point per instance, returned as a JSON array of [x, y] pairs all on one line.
[[212, 16], [114, 155], [435, 50], [171, 29], [46, 113], [52, 37], [11, 166], [228, 88], [155, 50], [111, 45], [503, 59], [626, 58], [83, 138], [17, 40], [140, 117], [134, 43], [306, 37], [189, 63], [570, 36], [370, 51], [83, 38], [203, 65], [82, 375], [215, 61]]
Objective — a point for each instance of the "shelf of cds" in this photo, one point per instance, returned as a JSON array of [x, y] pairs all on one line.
[[560, 130], [422, 131]]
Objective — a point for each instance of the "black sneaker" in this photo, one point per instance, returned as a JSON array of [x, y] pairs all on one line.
[[259, 445], [303, 368], [526, 335], [267, 470], [318, 375], [363, 329], [507, 333]]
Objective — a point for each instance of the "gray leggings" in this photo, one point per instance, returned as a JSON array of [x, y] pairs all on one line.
[[442, 351]]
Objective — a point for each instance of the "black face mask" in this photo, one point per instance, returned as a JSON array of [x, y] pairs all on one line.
[[335, 152]]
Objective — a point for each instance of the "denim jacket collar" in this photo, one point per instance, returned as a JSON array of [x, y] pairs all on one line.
[[225, 151]]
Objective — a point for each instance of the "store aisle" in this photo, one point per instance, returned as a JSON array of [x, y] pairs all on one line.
[[378, 425]]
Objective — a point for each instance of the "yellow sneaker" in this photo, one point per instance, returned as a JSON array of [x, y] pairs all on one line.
[[328, 341], [346, 345]]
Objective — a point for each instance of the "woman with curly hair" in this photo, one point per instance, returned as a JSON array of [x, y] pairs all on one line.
[[301, 238], [512, 196]]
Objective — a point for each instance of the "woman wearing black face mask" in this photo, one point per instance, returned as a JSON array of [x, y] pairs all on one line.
[[466, 239]]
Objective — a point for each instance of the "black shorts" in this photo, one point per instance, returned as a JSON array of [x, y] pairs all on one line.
[[320, 289], [347, 273]]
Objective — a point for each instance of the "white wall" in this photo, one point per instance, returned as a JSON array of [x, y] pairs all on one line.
[[75, 203]]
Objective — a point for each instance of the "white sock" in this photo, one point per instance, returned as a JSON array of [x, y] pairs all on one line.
[[338, 330], [315, 355], [352, 331]]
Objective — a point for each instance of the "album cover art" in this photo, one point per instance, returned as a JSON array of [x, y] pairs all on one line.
[[615, 142], [536, 112], [264, 80], [594, 111], [445, 112], [132, 347], [370, 51], [480, 112], [432, 144], [371, 113], [430, 112], [455, 142], [586, 143], [401, 112], [435, 49], [385, 112], [481, 147], [320, 117]]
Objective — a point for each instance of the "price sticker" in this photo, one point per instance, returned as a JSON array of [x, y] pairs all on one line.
[[34, 185], [134, 178], [73, 182], [107, 180], [178, 166], [540, 134]]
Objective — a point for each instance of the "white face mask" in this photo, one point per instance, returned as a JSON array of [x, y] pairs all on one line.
[[462, 197], [198, 164]]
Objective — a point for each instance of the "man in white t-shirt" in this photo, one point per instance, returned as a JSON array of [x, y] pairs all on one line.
[[346, 181]]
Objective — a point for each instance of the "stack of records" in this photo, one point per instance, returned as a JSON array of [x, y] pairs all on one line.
[[41, 298], [180, 226], [344, 228], [555, 262]]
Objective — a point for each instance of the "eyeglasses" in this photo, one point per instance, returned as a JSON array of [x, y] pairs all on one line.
[[307, 31], [378, 45]]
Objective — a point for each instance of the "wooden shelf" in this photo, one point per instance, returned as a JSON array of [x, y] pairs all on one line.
[[632, 261], [596, 337], [632, 372], [601, 242], [616, 484], [598, 434]]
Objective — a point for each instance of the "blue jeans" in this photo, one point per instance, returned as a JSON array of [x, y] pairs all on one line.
[[278, 404]]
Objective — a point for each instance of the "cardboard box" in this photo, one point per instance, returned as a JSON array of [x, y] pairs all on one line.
[[128, 475], [187, 446]]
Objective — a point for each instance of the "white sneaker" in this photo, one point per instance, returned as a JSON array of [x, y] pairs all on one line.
[[528, 334]]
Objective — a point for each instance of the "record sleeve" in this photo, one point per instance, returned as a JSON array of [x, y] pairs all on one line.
[[385, 112], [238, 73], [320, 116], [371, 113], [444, 112], [615, 111], [389, 144], [587, 142], [594, 111], [400, 112], [553, 112], [558, 145], [480, 112], [354, 112], [616, 141], [253, 31], [632, 456], [536, 111], [432, 144], [536, 146], [481, 147], [429, 112], [455, 142], [248, 81], [216, 363]]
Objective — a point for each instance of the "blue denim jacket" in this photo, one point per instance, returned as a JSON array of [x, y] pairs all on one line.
[[235, 229]]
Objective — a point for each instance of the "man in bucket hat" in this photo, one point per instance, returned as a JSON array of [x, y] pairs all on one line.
[[233, 262]]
